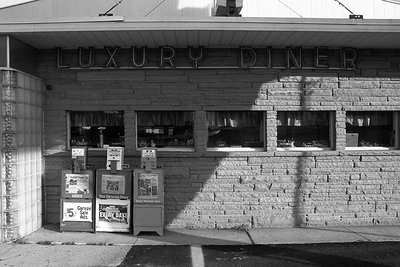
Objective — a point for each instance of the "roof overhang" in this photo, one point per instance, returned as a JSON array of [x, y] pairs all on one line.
[[210, 32]]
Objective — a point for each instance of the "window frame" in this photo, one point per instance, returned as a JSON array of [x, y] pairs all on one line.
[[69, 135], [332, 132], [238, 149], [396, 128], [167, 149]]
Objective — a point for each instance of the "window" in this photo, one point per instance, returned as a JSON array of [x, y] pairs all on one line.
[[235, 129], [95, 129], [165, 129], [370, 129], [305, 129]]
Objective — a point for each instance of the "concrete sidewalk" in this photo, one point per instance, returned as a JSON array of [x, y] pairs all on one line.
[[49, 247], [50, 235]]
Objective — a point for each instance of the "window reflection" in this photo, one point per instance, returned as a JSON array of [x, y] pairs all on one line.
[[303, 129], [370, 129], [165, 129], [235, 129], [97, 128]]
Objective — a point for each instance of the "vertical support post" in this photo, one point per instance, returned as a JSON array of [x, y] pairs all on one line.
[[340, 130], [271, 131]]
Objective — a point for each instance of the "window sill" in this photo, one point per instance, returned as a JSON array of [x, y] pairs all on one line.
[[236, 149], [172, 149], [369, 148], [104, 148], [304, 149]]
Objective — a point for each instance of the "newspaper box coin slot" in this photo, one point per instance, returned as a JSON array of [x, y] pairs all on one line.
[[79, 159], [115, 155], [148, 159]]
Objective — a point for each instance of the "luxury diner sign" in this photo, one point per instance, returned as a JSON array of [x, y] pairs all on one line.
[[168, 57]]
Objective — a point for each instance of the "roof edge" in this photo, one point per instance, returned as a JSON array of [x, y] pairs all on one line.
[[117, 23]]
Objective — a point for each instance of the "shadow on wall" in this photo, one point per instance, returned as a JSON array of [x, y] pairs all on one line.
[[235, 190], [303, 170]]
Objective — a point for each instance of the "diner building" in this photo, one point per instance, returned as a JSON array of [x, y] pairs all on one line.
[[263, 113]]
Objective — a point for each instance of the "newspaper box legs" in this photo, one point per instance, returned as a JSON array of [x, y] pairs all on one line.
[[148, 195], [148, 218]]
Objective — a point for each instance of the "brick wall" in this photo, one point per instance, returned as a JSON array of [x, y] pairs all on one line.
[[206, 189]]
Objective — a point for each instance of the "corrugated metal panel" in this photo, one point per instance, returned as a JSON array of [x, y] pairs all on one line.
[[218, 32], [209, 39]]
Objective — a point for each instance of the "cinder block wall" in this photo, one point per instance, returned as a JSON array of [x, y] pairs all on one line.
[[242, 189]]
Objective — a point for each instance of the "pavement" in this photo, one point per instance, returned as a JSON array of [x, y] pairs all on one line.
[[50, 235], [50, 247]]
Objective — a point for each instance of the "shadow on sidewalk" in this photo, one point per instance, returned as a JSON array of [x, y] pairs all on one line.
[[360, 254]]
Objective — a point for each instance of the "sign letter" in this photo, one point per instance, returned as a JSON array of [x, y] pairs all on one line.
[[167, 55], [60, 53], [113, 54], [81, 57], [251, 57], [269, 58], [349, 56], [292, 60], [144, 57], [321, 59], [195, 60]]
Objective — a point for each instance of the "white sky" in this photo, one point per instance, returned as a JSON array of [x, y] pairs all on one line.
[[5, 3]]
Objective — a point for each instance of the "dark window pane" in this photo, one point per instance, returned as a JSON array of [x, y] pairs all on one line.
[[165, 128], [97, 128], [235, 129], [303, 129], [369, 128]]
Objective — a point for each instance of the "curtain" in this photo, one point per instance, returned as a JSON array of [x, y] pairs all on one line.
[[369, 118], [233, 119], [164, 118], [97, 118], [303, 118]]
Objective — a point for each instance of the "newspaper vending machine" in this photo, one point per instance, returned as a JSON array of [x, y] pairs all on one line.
[[113, 194], [148, 195], [76, 202]]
